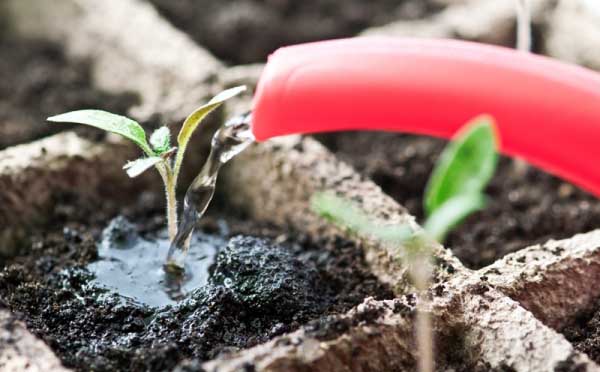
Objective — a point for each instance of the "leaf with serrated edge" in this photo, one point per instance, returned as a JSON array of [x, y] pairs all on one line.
[[161, 140], [466, 165], [451, 213], [139, 166], [109, 122]]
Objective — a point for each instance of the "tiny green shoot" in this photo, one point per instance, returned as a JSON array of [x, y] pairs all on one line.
[[158, 151], [456, 185], [454, 191]]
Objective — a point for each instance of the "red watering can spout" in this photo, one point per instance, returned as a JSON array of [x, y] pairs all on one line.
[[546, 112]]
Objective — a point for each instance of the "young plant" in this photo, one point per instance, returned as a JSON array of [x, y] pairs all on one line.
[[456, 186], [454, 191], [158, 152]]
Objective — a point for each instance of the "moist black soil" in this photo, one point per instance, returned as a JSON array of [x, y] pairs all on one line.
[[584, 333], [265, 282], [244, 31], [525, 208], [36, 81]]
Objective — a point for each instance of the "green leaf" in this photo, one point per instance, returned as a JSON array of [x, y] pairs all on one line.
[[451, 213], [108, 122], [139, 166], [191, 123], [466, 165], [344, 214], [338, 210], [195, 118], [161, 140]]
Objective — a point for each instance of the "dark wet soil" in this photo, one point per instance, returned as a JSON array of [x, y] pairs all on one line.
[[584, 333], [244, 31], [524, 209], [37, 81], [264, 282]]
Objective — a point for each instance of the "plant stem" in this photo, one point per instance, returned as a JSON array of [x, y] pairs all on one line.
[[523, 25], [524, 45], [169, 181], [178, 161], [420, 271], [424, 333]]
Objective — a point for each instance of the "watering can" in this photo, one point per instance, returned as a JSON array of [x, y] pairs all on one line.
[[546, 112]]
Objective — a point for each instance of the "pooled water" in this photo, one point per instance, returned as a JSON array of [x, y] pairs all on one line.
[[132, 265], [234, 137]]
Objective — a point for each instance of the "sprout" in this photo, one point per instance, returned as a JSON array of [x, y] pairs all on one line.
[[158, 152], [456, 185], [454, 191]]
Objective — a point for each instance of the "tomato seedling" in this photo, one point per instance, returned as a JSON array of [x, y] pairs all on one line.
[[159, 152], [454, 191]]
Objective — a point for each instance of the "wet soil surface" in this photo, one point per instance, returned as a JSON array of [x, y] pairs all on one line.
[[584, 333], [36, 81], [525, 208], [264, 282], [244, 31]]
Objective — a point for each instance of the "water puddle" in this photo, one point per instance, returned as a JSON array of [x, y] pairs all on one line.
[[132, 266]]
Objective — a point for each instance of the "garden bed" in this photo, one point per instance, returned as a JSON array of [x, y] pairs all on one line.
[[293, 279], [526, 206], [59, 194]]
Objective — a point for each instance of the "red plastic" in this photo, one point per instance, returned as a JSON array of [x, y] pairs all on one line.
[[547, 112]]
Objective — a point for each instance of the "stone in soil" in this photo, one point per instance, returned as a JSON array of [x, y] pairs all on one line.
[[37, 80], [256, 289], [245, 31], [524, 208]]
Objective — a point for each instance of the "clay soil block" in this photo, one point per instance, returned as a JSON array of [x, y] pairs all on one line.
[[37, 80], [352, 307]]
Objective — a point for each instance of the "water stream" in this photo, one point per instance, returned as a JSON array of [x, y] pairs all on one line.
[[231, 139]]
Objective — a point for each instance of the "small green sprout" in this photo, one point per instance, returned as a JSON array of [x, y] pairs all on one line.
[[158, 152], [456, 185], [454, 191]]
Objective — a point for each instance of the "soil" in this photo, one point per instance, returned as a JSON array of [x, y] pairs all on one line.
[[36, 81], [264, 282], [248, 30], [584, 333], [524, 208]]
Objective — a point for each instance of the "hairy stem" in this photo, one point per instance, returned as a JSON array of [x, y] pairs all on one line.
[[178, 161], [169, 181]]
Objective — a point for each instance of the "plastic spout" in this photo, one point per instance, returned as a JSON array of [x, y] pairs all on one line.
[[547, 112]]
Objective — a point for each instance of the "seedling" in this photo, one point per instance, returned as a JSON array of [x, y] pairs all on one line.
[[454, 191], [158, 152]]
